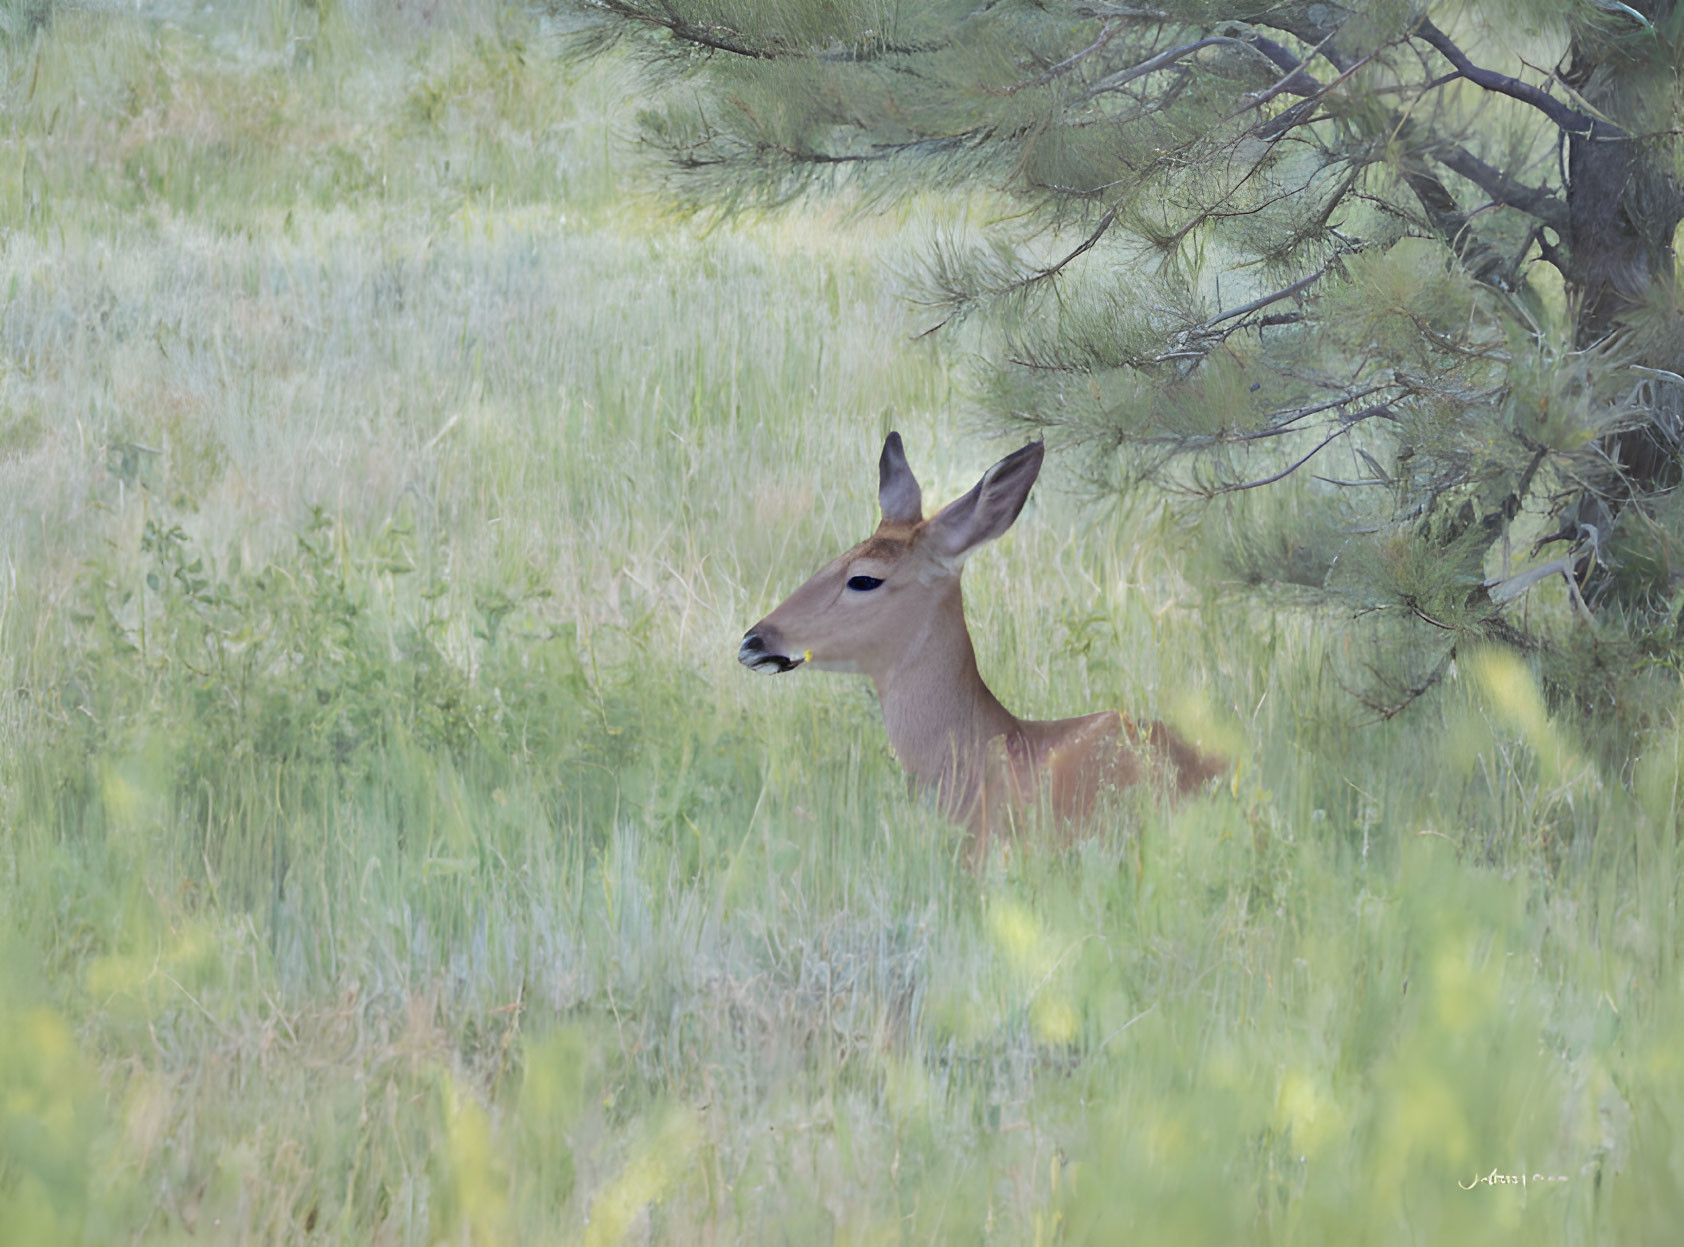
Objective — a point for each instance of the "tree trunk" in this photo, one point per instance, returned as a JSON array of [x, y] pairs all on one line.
[[1624, 207]]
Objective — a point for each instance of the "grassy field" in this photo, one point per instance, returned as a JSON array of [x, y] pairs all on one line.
[[392, 851]]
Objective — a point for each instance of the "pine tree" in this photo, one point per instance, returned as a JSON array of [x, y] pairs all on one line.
[[1404, 270]]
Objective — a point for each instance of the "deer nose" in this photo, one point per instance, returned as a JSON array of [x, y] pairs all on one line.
[[753, 654]]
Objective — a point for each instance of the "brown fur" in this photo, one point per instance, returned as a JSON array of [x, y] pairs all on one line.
[[982, 763]]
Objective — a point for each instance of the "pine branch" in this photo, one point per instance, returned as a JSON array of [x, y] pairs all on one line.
[[1272, 129], [719, 38], [686, 155], [1319, 37], [1200, 340], [1448, 220], [664, 15], [1284, 422], [1503, 189], [1281, 423], [1570, 120], [1033, 278]]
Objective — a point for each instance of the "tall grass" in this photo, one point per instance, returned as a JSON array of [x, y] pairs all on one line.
[[393, 850]]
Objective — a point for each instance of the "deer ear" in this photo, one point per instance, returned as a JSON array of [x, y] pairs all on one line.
[[897, 489], [991, 506]]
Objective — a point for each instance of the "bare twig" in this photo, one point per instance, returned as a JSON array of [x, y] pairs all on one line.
[[1296, 82], [1390, 710], [1105, 223], [1068, 63], [1285, 472], [1272, 128], [1286, 293], [1124, 11], [1120, 79], [1137, 1017]]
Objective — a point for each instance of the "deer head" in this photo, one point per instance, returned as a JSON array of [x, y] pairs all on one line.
[[898, 590]]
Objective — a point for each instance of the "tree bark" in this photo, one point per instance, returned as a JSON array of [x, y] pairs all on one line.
[[1623, 209]]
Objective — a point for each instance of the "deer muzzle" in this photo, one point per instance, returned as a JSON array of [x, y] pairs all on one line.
[[755, 654]]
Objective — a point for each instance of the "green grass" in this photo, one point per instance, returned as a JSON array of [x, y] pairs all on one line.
[[393, 850]]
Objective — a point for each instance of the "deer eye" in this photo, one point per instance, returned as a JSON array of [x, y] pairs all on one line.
[[863, 584]]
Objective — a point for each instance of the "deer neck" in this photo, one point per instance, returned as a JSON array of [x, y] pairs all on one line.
[[939, 714]]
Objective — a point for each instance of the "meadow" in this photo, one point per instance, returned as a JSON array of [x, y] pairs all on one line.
[[392, 850]]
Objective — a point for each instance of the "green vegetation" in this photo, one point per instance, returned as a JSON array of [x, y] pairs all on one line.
[[392, 851], [1421, 255]]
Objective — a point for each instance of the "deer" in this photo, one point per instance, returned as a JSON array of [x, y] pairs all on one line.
[[891, 608]]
